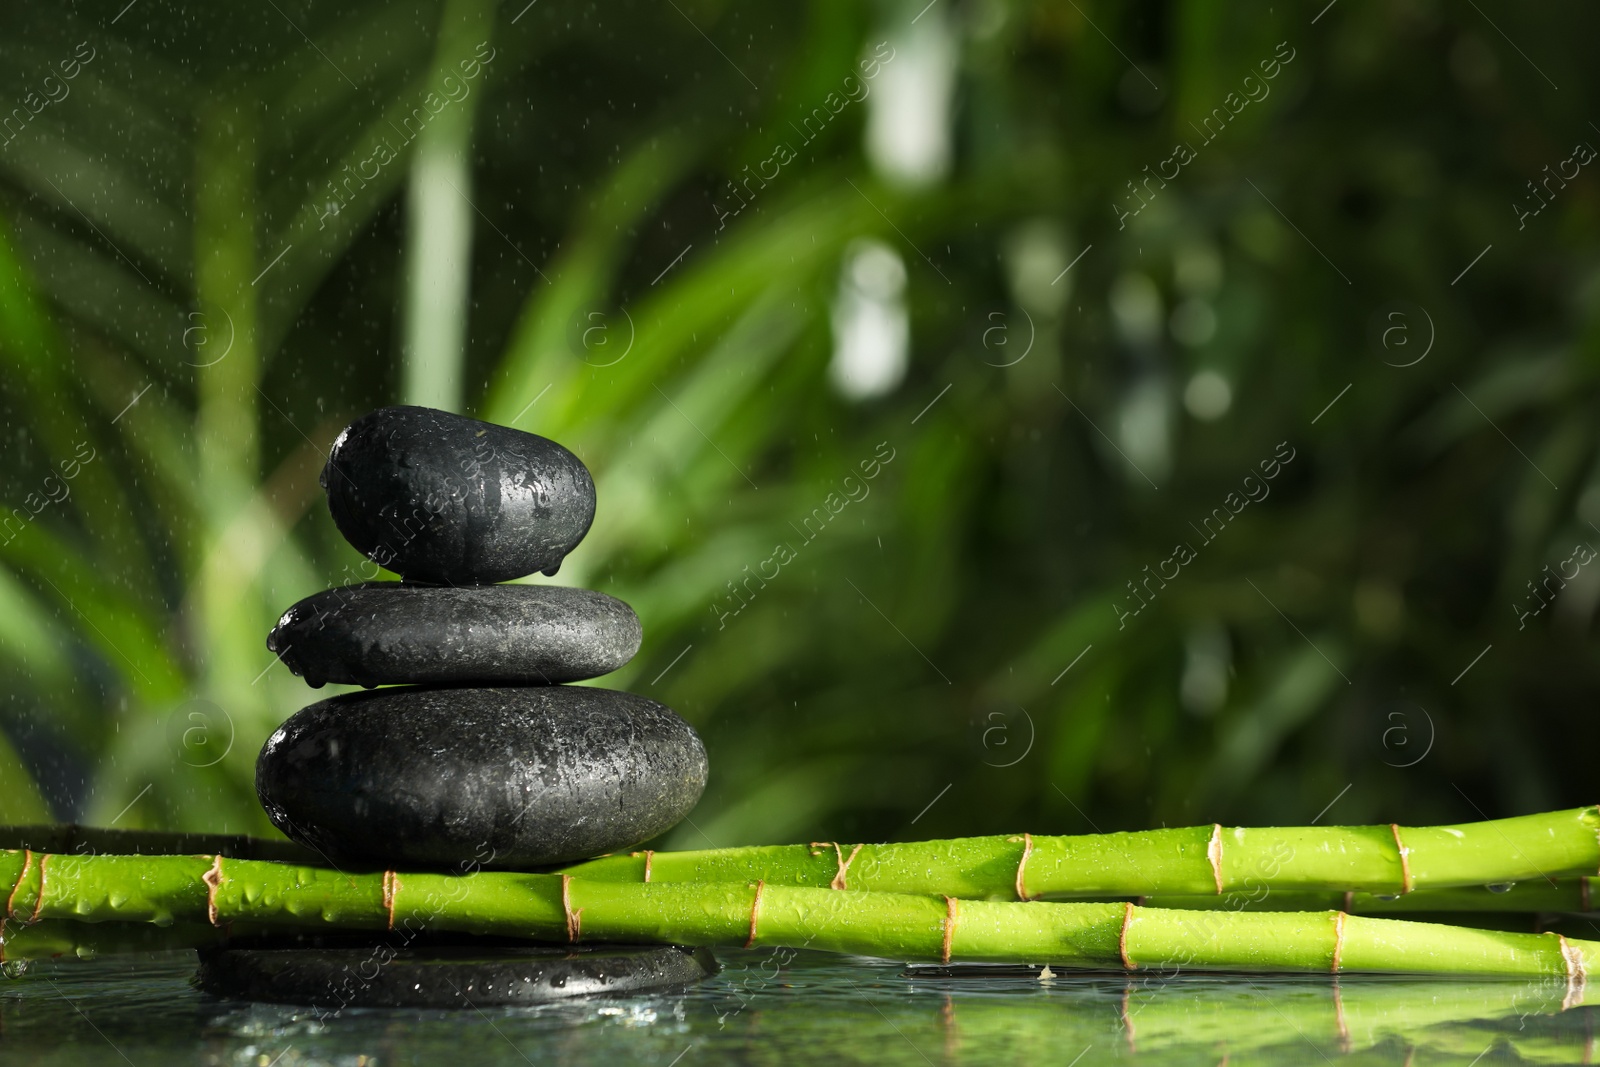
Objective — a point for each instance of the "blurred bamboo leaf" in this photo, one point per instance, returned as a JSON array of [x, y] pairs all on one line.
[[207, 267]]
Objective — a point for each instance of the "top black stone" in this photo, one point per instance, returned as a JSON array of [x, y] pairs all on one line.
[[442, 498]]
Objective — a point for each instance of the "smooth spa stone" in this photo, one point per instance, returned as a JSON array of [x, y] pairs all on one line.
[[383, 633], [374, 976], [442, 498], [508, 777]]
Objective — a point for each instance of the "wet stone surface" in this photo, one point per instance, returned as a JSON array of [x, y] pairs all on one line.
[[442, 498], [511, 777], [384, 633]]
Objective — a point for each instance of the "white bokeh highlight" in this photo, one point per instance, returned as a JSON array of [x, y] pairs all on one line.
[[871, 326], [908, 139]]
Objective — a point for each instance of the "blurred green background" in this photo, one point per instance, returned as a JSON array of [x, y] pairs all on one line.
[[742, 256]]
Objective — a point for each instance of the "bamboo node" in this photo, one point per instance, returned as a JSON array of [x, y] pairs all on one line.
[[755, 911], [840, 877], [213, 881], [574, 918], [1122, 938], [817, 848], [1214, 854], [1577, 976], [839, 880], [1596, 810], [649, 854], [1338, 940], [1022, 865], [27, 861], [39, 900], [950, 912], [391, 885], [1405, 863]]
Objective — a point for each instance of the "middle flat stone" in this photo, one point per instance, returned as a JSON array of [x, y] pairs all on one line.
[[382, 633]]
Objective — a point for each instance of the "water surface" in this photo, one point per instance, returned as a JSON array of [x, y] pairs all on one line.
[[776, 1006]]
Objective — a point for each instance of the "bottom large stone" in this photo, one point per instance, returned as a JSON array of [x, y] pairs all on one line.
[[512, 777]]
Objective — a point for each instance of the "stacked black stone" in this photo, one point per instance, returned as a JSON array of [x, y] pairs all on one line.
[[474, 754]]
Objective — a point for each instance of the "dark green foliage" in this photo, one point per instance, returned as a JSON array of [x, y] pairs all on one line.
[[919, 641]]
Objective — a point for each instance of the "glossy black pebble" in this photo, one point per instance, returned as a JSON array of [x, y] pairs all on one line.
[[383, 633], [436, 497], [508, 777], [334, 979]]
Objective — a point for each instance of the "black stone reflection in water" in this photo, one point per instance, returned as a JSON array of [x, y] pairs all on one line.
[[428, 775], [383, 633], [433, 976]]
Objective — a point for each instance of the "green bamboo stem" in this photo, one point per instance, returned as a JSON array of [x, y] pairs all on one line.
[[97, 840], [1161, 865], [1194, 861], [1568, 895], [553, 907]]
